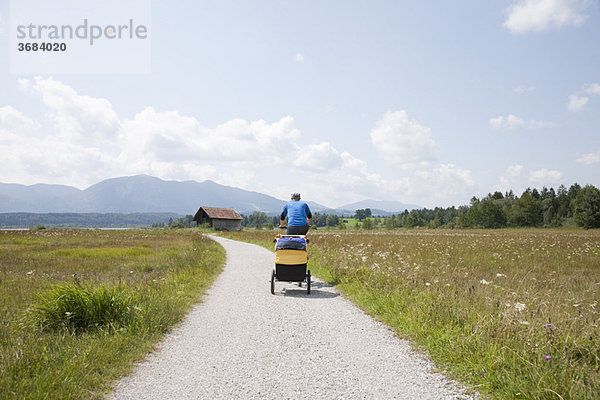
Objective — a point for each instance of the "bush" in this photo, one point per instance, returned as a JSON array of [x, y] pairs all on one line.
[[80, 308]]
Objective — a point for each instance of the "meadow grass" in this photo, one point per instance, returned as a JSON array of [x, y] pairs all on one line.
[[512, 313], [79, 307]]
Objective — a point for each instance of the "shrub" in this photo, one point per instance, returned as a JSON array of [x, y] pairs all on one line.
[[80, 308]]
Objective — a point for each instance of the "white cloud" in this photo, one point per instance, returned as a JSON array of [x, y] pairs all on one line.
[[255, 155], [299, 57], [512, 122], [540, 15], [443, 185], [84, 141], [514, 171], [590, 158], [24, 84], [342, 183], [14, 119], [509, 122], [352, 180], [43, 159], [516, 179], [170, 136], [512, 179], [576, 103], [448, 174], [170, 145], [320, 157], [535, 124], [592, 88], [403, 141], [78, 118], [545, 177]]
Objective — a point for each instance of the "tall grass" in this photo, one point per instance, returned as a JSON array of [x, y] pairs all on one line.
[[80, 306], [514, 313]]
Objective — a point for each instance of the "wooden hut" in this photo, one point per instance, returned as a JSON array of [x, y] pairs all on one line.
[[219, 218]]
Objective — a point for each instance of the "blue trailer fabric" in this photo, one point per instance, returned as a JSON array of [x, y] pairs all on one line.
[[295, 243]]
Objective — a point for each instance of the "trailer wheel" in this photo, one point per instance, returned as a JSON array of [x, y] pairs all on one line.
[[273, 282], [308, 282]]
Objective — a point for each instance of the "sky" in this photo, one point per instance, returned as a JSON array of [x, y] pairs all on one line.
[[423, 102]]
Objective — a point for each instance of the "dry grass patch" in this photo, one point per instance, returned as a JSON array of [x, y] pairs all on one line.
[[80, 306]]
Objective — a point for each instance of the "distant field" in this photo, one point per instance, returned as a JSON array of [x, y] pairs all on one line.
[[156, 274], [514, 313]]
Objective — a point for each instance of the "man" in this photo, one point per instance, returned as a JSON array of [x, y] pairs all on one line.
[[299, 216]]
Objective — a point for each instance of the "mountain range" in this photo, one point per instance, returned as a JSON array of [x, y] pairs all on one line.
[[145, 194]]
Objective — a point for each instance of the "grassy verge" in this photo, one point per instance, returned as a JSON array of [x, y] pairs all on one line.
[[514, 313], [79, 307]]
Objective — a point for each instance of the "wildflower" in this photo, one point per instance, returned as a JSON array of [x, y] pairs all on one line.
[[548, 326], [547, 357], [427, 284], [520, 306], [30, 273], [484, 282], [524, 322], [500, 275]]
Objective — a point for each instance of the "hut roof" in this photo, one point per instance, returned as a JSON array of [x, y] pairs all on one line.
[[221, 213]]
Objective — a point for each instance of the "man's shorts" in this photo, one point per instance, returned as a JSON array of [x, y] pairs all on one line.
[[297, 230]]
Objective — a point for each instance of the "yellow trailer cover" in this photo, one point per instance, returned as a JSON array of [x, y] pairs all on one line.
[[291, 257]]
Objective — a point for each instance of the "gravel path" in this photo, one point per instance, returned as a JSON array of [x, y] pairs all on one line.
[[243, 342]]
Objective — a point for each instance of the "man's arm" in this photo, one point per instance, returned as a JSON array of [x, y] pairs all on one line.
[[308, 215], [282, 217]]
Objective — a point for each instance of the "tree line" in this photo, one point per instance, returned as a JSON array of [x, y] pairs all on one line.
[[548, 207], [575, 206]]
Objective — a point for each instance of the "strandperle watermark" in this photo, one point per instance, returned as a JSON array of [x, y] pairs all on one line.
[[84, 36], [85, 30]]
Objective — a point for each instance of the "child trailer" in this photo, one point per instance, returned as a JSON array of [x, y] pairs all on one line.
[[291, 259]]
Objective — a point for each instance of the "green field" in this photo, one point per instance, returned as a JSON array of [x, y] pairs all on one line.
[[79, 307], [512, 313]]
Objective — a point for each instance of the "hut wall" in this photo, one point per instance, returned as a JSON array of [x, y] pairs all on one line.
[[227, 224]]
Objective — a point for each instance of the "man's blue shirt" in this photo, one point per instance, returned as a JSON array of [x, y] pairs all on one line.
[[297, 212]]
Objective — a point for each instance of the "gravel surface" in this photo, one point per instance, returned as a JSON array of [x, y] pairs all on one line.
[[243, 342]]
